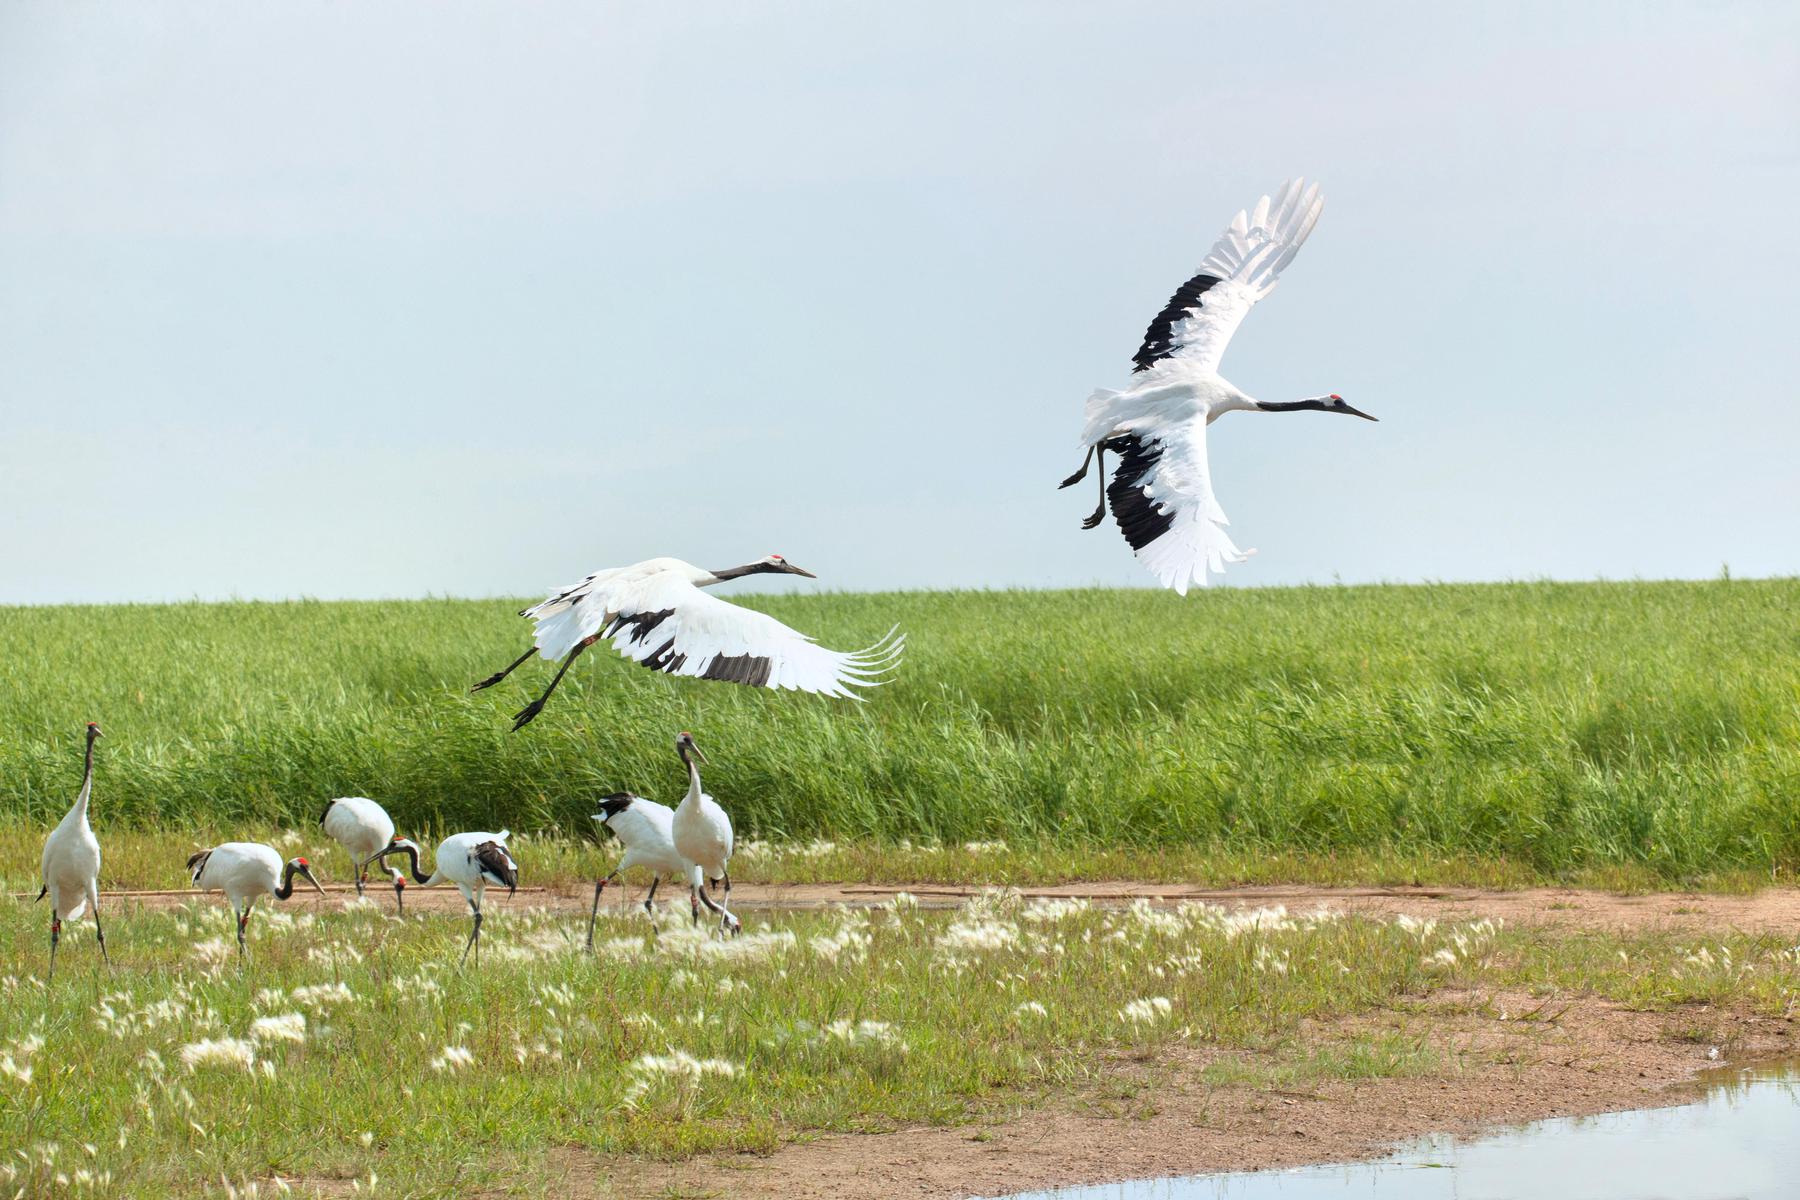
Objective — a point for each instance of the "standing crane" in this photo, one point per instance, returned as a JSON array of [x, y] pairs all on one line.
[[656, 614], [1161, 491], [647, 830], [362, 827], [471, 861], [244, 871], [703, 837], [71, 864]]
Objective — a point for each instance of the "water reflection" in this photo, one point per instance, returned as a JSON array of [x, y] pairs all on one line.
[[1739, 1140]]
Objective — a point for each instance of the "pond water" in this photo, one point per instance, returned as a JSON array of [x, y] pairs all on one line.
[[1738, 1140]]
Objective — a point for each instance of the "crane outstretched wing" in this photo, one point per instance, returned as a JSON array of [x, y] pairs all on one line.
[[1162, 498], [1240, 269], [669, 625]]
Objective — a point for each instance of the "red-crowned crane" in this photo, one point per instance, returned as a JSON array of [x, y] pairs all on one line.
[[362, 827], [1161, 491], [655, 613], [703, 837], [647, 831], [471, 861], [244, 871], [71, 864]]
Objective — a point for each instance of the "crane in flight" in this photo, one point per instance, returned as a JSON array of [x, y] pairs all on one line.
[[1161, 491]]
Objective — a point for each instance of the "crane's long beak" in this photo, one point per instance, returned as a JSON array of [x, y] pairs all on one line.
[[791, 569], [311, 880], [699, 754], [1357, 412]]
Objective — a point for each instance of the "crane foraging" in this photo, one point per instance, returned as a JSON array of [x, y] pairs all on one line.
[[656, 614], [362, 827], [244, 871], [71, 864], [471, 861], [702, 834], [647, 831], [1161, 491]]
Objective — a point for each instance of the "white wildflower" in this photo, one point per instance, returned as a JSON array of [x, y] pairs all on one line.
[[224, 1052], [288, 1027]]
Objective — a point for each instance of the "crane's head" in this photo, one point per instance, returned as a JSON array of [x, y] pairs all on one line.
[[684, 746], [93, 731], [781, 566], [1335, 403], [302, 868]]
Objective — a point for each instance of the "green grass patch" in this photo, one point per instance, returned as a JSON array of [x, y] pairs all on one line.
[[1564, 731]]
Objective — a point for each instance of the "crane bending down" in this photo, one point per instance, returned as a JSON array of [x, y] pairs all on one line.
[[362, 827], [471, 861], [647, 831], [656, 614], [244, 871], [703, 837], [71, 864], [1161, 491]]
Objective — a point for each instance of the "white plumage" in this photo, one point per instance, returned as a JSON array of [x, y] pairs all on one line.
[[702, 834], [647, 831], [362, 827], [656, 614], [70, 866], [471, 861], [245, 871], [1161, 493]]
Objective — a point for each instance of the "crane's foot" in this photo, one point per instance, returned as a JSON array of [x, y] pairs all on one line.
[[1080, 475], [1097, 516], [527, 715], [490, 681]]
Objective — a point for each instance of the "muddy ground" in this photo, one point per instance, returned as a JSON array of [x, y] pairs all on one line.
[[1511, 1059]]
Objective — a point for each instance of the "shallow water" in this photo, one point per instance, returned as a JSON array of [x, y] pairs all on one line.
[[1739, 1140]]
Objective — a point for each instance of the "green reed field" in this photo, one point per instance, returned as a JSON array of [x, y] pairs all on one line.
[[1558, 730]]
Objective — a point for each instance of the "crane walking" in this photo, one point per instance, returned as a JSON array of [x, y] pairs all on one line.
[[656, 614], [703, 837], [244, 871], [647, 831], [471, 861], [362, 827], [1161, 491], [71, 864]]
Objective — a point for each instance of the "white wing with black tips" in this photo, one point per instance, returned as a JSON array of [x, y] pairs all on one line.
[[1241, 268], [1161, 495]]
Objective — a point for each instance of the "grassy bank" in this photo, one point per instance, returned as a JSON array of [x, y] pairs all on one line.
[[350, 1046], [1653, 728]]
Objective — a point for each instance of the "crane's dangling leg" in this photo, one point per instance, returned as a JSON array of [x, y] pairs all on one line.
[[497, 676], [474, 934], [1080, 475], [1099, 514], [528, 714], [599, 886], [55, 936], [99, 934]]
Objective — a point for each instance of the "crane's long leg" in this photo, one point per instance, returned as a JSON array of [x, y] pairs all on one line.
[[55, 936], [474, 934], [649, 902], [497, 676], [1099, 514], [99, 934], [1080, 475], [594, 915], [731, 924], [528, 714], [243, 920]]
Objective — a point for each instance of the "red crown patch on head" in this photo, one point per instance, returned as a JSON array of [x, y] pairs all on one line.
[[303, 862], [1335, 396]]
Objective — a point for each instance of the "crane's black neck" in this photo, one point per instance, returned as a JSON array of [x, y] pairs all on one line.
[[287, 883], [412, 858], [1316, 405], [755, 568], [693, 767]]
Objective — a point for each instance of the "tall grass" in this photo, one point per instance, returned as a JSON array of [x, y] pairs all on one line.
[[1559, 726]]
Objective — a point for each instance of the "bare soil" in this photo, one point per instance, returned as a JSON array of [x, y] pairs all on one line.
[[1775, 910], [1587, 1057]]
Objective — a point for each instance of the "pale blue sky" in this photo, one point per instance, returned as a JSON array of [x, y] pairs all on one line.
[[399, 298]]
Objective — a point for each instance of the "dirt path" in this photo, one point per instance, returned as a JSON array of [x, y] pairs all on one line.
[[1592, 1057], [1775, 910]]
